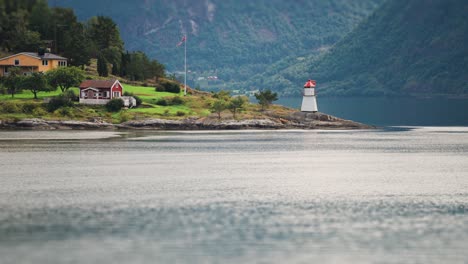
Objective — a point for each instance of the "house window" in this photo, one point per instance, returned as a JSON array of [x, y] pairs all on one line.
[[6, 70], [45, 62], [62, 63], [17, 62], [116, 94]]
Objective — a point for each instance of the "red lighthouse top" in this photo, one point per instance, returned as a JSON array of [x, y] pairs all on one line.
[[310, 84]]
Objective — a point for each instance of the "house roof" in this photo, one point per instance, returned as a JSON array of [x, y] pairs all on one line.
[[98, 84], [46, 56]]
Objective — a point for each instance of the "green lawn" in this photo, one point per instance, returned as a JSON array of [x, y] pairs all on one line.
[[145, 93], [148, 93], [192, 106], [28, 95]]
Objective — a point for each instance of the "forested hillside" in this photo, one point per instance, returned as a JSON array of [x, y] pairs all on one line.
[[416, 47], [233, 39]]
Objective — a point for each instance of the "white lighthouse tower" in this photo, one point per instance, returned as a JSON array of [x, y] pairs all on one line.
[[309, 100]]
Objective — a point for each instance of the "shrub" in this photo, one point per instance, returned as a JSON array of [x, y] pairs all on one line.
[[9, 107], [177, 100], [114, 105], [28, 108], [160, 88], [124, 117], [166, 112], [65, 111], [162, 102], [170, 87], [180, 113], [72, 95], [39, 112], [58, 102]]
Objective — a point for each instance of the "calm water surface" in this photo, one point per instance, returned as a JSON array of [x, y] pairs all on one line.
[[389, 196], [383, 111]]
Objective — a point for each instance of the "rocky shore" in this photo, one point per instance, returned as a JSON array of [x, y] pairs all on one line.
[[296, 120]]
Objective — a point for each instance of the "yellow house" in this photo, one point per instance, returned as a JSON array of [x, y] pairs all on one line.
[[31, 62]]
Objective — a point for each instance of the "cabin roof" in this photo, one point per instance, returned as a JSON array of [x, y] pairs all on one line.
[[45, 56], [98, 83]]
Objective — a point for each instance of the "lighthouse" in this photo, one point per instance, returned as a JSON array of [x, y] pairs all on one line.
[[309, 100]]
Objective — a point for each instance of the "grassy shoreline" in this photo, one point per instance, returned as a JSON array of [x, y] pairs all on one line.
[[194, 105]]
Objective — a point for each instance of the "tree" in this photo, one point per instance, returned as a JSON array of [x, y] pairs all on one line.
[[266, 97], [218, 107], [36, 82], [157, 70], [224, 95], [65, 77], [13, 81], [102, 66], [236, 105], [104, 33], [76, 46]]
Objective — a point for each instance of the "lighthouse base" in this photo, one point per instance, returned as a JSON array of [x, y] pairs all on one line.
[[309, 104]]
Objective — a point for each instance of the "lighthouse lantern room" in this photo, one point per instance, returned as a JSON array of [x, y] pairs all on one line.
[[309, 100]]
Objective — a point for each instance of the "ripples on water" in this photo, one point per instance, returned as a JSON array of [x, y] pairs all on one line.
[[388, 196]]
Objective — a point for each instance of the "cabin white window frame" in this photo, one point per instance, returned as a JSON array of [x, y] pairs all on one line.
[[116, 94], [62, 63], [17, 62], [45, 63]]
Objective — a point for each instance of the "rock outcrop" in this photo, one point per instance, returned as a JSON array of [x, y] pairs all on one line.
[[295, 120]]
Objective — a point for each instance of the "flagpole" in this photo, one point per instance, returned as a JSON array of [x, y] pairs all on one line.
[[185, 77]]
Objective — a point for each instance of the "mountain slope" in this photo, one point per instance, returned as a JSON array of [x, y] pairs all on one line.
[[234, 39], [406, 47]]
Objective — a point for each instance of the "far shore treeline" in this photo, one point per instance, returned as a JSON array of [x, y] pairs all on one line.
[[32, 26]]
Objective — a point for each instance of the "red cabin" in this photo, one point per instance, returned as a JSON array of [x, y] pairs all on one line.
[[100, 91]]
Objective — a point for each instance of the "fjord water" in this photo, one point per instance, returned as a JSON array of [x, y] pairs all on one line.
[[388, 111], [385, 196]]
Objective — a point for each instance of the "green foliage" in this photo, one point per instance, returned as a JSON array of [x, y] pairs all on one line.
[[104, 33], [389, 55], [180, 113], [115, 105], [72, 95], [124, 116], [39, 112], [102, 66], [162, 102], [237, 104], [30, 25], [136, 66], [177, 100], [171, 87], [36, 82], [12, 82], [266, 98], [9, 107], [218, 107], [59, 102], [65, 112], [222, 95], [248, 36], [65, 77], [29, 108]]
